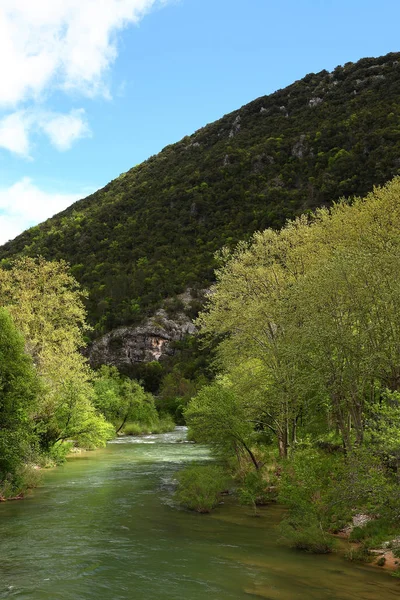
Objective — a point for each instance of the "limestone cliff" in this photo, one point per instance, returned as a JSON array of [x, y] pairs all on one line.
[[126, 346]]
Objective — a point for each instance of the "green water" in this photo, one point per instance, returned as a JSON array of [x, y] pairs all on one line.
[[104, 527]]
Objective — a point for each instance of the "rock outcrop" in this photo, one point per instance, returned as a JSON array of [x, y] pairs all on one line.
[[126, 346]]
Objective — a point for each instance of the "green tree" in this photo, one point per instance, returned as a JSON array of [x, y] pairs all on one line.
[[19, 389], [317, 305], [46, 304], [122, 400], [218, 416]]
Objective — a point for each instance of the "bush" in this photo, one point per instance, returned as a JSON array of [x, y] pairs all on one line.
[[59, 452], [255, 490], [199, 487], [306, 535], [308, 487], [358, 554], [375, 533], [25, 478], [358, 534], [165, 424], [396, 573], [162, 425], [136, 429]]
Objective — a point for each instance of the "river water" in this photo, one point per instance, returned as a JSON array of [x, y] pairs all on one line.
[[104, 527]]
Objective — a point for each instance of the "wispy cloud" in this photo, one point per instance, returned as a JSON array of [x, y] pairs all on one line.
[[16, 129], [24, 204]]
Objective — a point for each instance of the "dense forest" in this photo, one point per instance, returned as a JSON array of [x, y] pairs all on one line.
[[306, 406], [153, 231]]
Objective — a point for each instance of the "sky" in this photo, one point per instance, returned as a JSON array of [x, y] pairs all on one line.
[[90, 88]]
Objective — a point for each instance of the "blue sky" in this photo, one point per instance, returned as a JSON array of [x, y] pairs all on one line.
[[89, 88]]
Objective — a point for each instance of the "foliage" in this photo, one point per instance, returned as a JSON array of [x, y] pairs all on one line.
[[175, 393], [57, 454], [308, 486], [320, 319], [255, 489], [122, 400], [19, 388], [14, 486], [306, 535], [48, 393], [47, 306], [374, 533], [200, 487], [218, 416], [163, 425], [153, 231]]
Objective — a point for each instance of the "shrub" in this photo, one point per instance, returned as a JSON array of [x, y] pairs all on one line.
[[306, 535], [358, 554], [255, 490], [59, 452], [199, 487], [136, 429], [25, 478], [358, 534], [162, 425], [374, 533], [396, 573], [165, 424]]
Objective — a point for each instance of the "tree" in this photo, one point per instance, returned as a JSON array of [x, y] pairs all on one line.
[[19, 389], [219, 417], [46, 304], [67, 410], [317, 305], [122, 400], [247, 309]]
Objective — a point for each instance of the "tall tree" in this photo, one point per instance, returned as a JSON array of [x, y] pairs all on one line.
[[46, 304], [19, 389], [317, 305]]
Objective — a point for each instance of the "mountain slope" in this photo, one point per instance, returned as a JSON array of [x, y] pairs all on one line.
[[152, 232]]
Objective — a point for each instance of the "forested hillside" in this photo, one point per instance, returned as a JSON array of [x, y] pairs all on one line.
[[154, 230]]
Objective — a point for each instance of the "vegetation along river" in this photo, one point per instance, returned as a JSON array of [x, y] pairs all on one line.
[[104, 526]]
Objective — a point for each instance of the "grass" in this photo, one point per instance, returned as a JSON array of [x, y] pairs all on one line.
[[163, 425]]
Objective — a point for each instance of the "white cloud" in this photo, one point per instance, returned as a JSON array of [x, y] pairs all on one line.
[[62, 130], [24, 204], [14, 134], [60, 44]]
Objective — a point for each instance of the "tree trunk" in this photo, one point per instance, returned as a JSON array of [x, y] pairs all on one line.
[[253, 458], [283, 443]]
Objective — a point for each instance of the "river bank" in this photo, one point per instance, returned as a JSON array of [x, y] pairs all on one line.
[[107, 525], [382, 558]]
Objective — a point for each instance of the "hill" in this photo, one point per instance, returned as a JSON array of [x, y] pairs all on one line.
[[152, 232]]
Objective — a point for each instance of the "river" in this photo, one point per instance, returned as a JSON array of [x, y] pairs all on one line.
[[104, 527]]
